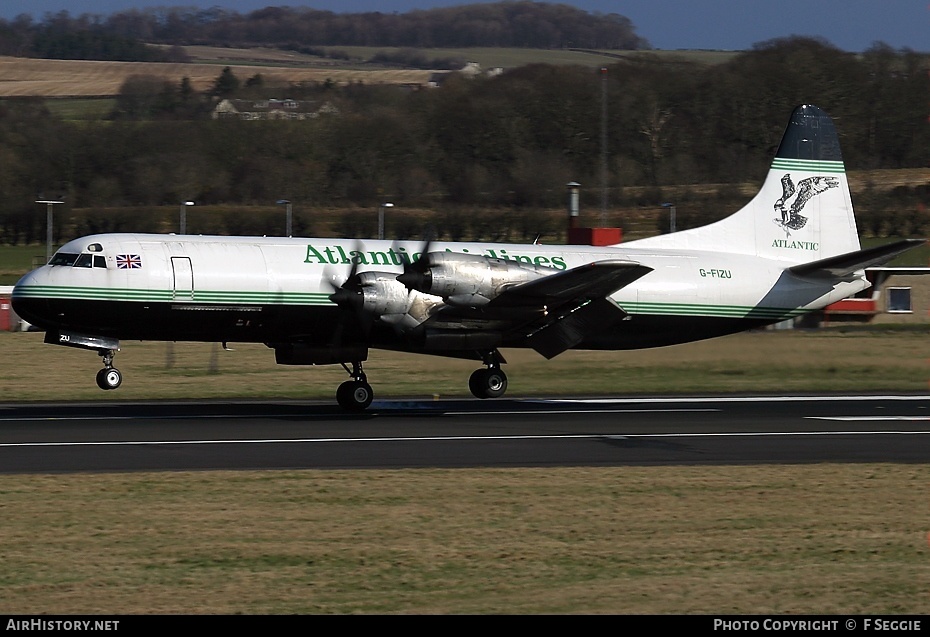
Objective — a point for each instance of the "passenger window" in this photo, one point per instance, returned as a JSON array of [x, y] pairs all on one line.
[[84, 261], [63, 258], [100, 261]]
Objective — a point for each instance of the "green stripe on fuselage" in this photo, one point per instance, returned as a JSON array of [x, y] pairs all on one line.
[[319, 298], [695, 309], [137, 294]]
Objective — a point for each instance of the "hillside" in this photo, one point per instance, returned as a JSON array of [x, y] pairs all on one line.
[[24, 77], [30, 77]]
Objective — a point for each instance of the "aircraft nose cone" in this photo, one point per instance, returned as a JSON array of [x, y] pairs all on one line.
[[29, 301]]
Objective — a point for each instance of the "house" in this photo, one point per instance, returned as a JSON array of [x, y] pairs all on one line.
[[897, 295], [470, 70], [272, 109], [436, 79]]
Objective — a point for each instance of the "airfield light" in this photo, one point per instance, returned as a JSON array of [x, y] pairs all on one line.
[[49, 215], [381, 218], [287, 223], [184, 205]]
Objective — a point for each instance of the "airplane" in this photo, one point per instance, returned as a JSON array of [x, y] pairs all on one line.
[[793, 249]]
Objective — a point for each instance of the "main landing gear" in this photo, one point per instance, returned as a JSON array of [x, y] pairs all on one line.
[[109, 377], [355, 394], [490, 382]]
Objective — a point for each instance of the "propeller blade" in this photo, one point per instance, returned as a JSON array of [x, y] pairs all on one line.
[[416, 280], [347, 298], [349, 292], [416, 274]]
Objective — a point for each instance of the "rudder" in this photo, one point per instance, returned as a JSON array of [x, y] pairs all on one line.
[[807, 189]]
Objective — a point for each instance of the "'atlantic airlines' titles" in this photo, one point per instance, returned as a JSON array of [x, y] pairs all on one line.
[[336, 254]]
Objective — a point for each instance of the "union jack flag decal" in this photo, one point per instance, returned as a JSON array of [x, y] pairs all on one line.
[[128, 261]]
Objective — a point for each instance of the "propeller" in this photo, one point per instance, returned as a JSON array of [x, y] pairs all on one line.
[[416, 274], [348, 295], [350, 287]]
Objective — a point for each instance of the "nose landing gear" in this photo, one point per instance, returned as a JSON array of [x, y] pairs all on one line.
[[109, 377]]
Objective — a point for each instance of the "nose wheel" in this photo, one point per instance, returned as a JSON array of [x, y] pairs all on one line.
[[109, 377]]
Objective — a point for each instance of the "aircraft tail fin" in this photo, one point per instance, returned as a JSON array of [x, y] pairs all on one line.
[[802, 213]]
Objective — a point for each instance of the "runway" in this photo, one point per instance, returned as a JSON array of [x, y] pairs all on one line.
[[397, 434]]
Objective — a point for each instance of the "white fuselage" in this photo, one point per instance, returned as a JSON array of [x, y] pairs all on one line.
[[277, 289]]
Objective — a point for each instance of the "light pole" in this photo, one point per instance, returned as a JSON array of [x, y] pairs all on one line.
[[573, 188], [287, 223], [671, 216], [183, 224], [604, 172], [49, 217], [381, 218]]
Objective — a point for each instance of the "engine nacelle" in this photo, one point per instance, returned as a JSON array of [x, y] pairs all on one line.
[[382, 293], [470, 280], [390, 300]]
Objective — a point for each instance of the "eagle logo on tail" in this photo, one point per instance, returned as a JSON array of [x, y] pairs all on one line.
[[790, 217]]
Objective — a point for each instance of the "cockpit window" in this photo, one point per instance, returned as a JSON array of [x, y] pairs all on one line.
[[83, 260], [63, 258]]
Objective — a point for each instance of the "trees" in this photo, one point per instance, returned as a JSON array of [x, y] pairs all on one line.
[[508, 143], [226, 84], [121, 35]]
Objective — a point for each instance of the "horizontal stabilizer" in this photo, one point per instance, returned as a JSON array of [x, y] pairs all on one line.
[[845, 264]]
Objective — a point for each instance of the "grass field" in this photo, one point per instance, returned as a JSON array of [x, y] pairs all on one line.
[[762, 362], [20, 77], [831, 539], [835, 539]]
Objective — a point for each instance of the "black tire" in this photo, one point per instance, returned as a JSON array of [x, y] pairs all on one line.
[[488, 383], [354, 395], [109, 378], [476, 383]]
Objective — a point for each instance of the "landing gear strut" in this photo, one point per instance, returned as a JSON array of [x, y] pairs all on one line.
[[355, 394], [106, 346], [109, 377], [490, 382]]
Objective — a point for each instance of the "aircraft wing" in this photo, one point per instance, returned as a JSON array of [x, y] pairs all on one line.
[[552, 313], [590, 281], [845, 264]]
